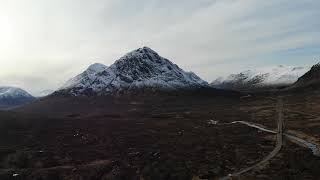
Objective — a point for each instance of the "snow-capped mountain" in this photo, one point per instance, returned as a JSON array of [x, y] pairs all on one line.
[[13, 92], [311, 77], [86, 78], [140, 69], [265, 77], [12, 97]]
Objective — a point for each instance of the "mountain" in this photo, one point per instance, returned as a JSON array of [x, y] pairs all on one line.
[[11, 97], [44, 93], [274, 77], [85, 79], [138, 70], [310, 78]]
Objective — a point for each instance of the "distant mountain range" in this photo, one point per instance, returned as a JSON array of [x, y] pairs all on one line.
[[144, 70], [274, 77], [11, 97], [140, 69]]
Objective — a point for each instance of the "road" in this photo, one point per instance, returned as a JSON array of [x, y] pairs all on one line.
[[299, 141], [254, 126], [280, 134], [275, 150]]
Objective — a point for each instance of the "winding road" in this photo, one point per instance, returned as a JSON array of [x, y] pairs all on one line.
[[275, 150], [279, 142]]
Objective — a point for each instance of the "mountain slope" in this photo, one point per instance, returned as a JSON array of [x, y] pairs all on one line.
[[312, 77], [44, 93], [86, 78], [12, 97], [260, 78], [140, 69]]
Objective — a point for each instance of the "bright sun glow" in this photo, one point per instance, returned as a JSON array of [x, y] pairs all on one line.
[[6, 34]]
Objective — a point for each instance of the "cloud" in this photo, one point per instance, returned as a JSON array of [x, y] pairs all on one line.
[[46, 42]]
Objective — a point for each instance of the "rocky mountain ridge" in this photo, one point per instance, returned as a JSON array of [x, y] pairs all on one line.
[[140, 69]]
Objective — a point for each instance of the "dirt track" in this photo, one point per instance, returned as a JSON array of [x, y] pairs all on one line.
[[275, 150]]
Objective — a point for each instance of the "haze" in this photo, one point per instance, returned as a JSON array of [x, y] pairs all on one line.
[[43, 43]]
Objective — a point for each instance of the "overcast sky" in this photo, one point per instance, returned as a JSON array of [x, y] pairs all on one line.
[[45, 42]]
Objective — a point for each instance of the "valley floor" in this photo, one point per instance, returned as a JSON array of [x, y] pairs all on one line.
[[161, 138]]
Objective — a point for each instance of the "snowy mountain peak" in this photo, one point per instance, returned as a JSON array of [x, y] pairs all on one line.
[[270, 76], [141, 68], [96, 67], [6, 92], [11, 97], [144, 50], [141, 53], [85, 78]]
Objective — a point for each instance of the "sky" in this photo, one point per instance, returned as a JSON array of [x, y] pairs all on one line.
[[43, 43]]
